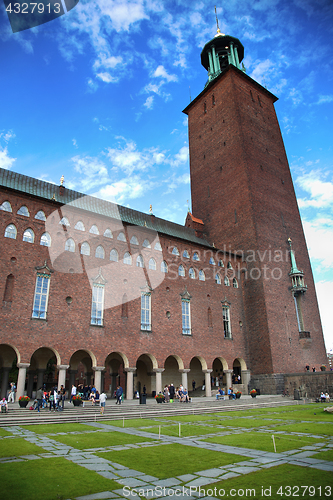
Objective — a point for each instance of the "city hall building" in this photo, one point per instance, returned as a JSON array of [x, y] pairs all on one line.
[[96, 293]]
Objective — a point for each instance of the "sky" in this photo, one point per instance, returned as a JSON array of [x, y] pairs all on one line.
[[97, 96]]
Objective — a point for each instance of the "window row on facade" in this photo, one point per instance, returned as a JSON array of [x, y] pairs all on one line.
[[41, 297]]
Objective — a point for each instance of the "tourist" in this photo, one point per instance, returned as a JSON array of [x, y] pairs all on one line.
[[102, 399], [4, 405], [73, 393], [11, 396], [119, 394], [172, 391], [39, 397], [166, 394]]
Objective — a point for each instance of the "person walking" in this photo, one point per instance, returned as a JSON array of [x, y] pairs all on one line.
[[11, 397], [119, 394], [39, 397], [102, 399], [73, 393]]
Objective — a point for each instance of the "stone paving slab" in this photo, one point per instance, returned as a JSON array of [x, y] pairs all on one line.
[[107, 474], [186, 477], [201, 481], [229, 475], [30, 457], [323, 466], [128, 473], [11, 460], [245, 470], [170, 482], [209, 473], [132, 482], [103, 495], [98, 467], [147, 478]]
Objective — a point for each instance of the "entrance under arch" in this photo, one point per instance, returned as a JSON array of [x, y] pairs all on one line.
[[196, 374], [145, 377], [80, 372], [171, 374], [218, 374], [8, 368], [238, 366], [42, 371], [114, 374]]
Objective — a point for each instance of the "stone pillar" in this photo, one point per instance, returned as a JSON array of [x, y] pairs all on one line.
[[228, 375], [62, 376], [30, 384], [4, 382], [184, 373], [71, 378], [208, 382], [98, 376], [21, 379], [158, 377], [129, 385], [40, 377], [245, 378]]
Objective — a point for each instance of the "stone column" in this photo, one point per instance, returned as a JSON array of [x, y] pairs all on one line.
[[158, 376], [30, 384], [129, 385], [40, 377], [21, 379], [208, 382], [228, 375], [98, 376], [62, 376], [184, 373], [4, 383], [245, 378], [71, 378]]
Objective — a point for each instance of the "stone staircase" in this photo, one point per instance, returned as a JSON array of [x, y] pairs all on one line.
[[132, 409]]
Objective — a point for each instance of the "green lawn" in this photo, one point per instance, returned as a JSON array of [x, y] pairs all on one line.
[[134, 422], [54, 479], [185, 430], [263, 441], [98, 440], [17, 447], [3, 432], [171, 460], [53, 428], [283, 475], [308, 428], [324, 455]]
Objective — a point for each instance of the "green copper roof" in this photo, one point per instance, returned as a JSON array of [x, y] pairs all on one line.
[[51, 192]]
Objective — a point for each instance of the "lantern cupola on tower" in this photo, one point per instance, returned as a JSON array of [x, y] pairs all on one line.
[[221, 51]]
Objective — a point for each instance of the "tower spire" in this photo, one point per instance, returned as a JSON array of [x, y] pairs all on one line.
[[217, 22]]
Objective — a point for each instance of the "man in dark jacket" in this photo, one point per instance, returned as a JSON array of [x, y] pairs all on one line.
[[119, 393]]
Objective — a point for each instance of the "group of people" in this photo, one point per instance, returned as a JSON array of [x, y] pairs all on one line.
[[324, 397], [54, 398], [170, 393]]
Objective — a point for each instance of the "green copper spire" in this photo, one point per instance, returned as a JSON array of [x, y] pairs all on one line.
[[294, 269], [221, 51]]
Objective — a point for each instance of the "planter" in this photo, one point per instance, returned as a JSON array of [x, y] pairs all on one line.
[[76, 402], [238, 395], [253, 395], [159, 401], [323, 368], [23, 404]]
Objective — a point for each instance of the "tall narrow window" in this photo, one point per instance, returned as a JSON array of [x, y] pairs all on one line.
[[217, 279], [146, 311], [9, 288], [41, 296], [164, 267], [152, 264], [114, 255], [85, 248], [127, 259], [70, 245], [97, 304], [11, 232], [139, 261], [99, 253], [186, 313], [226, 322], [202, 276], [226, 281], [181, 270]]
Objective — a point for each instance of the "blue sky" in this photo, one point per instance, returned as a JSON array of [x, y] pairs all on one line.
[[97, 95]]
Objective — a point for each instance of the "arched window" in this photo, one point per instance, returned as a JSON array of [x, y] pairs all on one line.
[[70, 245], [181, 270], [235, 283], [229, 266], [134, 240], [212, 261], [158, 246], [221, 263], [217, 279], [175, 251], [108, 233], [226, 281], [191, 273], [6, 206], [23, 211], [121, 237], [114, 255], [202, 276], [139, 261], [99, 253], [11, 232], [45, 240], [164, 267], [29, 236], [9, 288], [127, 258], [94, 229], [64, 221], [186, 255], [79, 226], [195, 256], [85, 248], [40, 215], [152, 264], [146, 244]]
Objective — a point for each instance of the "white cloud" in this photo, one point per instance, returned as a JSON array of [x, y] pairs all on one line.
[[319, 238], [125, 189], [93, 172], [6, 161], [8, 136], [321, 192], [162, 73], [181, 157], [149, 102], [75, 143], [129, 159], [323, 99], [106, 77]]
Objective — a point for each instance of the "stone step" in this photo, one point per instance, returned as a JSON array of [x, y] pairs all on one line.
[[132, 409]]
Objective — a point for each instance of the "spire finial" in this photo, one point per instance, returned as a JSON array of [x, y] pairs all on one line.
[[62, 178], [217, 22]]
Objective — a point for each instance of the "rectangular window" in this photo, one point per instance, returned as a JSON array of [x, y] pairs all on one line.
[[145, 311], [226, 322], [41, 296], [186, 317], [97, 305]]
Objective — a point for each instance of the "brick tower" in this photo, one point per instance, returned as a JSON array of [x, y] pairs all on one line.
[[242, 190]]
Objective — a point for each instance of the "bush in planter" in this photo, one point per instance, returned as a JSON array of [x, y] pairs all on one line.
[[23, 401], [253, 393], [77, 400], [159, 398], [238, 394]]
